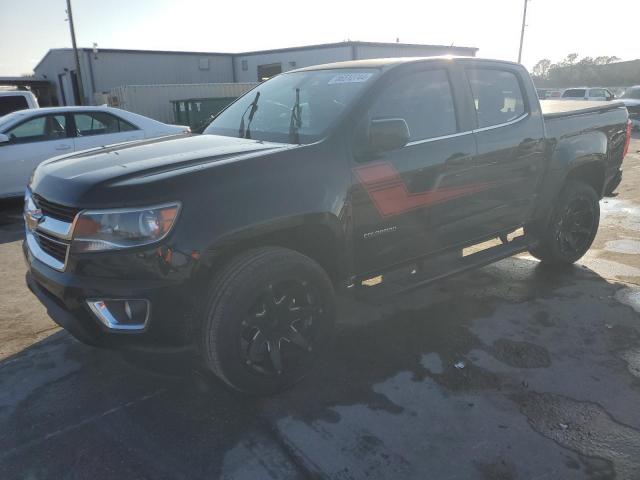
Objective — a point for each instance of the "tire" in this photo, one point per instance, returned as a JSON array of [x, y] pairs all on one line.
[[269, 315], [572, 226], [613, 184]]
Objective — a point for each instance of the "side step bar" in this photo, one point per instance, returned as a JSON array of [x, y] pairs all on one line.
[[438, 267]]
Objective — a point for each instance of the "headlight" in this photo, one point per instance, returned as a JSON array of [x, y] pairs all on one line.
[[100, 230]]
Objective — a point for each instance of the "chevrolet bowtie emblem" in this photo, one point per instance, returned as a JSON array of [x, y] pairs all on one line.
[[33, 218]]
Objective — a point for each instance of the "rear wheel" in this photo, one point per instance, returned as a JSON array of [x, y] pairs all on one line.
[[269, 316], [572, 226]]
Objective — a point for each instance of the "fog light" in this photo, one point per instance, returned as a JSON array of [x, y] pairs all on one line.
[[128, 315]]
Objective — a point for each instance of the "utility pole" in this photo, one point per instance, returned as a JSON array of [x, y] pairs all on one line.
[[75, 54], [524, 24]]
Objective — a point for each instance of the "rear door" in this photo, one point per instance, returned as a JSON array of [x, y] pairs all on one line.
[[510, 140], [96, 129], [598, 94], [31, 142], [404, 198]]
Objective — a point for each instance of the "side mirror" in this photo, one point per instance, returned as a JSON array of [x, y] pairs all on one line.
[[388, 133], [4, 138], [610, 97]]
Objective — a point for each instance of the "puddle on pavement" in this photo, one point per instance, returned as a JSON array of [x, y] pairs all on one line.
[[631, 247], [585, 428], [629, 296]]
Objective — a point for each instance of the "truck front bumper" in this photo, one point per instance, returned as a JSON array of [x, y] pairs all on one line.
[[65, 295]]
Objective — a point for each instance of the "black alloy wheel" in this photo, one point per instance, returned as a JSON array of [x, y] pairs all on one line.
[[280, 328]]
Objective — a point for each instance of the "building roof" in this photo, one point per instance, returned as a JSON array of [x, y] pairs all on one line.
[[258, 52]]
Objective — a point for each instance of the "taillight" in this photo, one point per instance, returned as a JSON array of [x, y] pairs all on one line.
[[627, 142]]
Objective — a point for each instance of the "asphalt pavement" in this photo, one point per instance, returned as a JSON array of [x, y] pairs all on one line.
[[513, 371]]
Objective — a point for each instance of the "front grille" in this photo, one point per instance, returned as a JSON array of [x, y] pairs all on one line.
[[53, 247], [55, 210]]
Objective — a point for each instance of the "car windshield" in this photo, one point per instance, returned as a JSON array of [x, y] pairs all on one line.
[[294, 107], [633, 93]]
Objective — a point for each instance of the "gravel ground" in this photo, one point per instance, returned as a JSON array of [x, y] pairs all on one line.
[[508, 372]]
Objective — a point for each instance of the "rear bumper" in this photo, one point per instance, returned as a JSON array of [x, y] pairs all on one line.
[[64, 296]]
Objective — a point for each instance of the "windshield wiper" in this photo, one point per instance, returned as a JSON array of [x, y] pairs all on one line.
[[242, 133], [296, 119]]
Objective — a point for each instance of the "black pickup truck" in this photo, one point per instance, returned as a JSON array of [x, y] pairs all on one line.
[[235, 243]]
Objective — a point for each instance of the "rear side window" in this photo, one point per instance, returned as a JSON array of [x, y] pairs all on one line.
[[424, 100], [100, 123], [39, 129], [497, 96], [12, 103], [574, 93]]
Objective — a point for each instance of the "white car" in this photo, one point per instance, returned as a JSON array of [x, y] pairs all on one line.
[[631, 100], [28, 137], [12, 100], [597, 94]]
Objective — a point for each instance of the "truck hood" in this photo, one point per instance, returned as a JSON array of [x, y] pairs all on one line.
[[127, 162], [629, 102]]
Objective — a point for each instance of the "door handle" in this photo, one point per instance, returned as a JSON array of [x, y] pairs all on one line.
[[457, 160], [63, 147]]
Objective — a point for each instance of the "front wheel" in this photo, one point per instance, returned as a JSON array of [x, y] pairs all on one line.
[[572, 226], [270, 313]]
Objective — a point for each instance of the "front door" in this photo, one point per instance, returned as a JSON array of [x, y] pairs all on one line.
[[31, 142], [402, 197]]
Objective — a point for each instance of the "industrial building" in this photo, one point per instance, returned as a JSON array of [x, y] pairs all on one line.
[[105, 69]]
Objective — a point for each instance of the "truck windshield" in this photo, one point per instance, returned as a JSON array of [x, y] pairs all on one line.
[[294, 107], [633, 93]]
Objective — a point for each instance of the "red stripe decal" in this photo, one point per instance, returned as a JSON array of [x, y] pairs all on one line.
[[389, 193]]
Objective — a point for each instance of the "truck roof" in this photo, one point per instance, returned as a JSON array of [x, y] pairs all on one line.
[[391, 62]]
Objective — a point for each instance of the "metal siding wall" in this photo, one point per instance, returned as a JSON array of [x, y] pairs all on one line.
[[303, 58], [154, 101], [53, 65], [113, 69]]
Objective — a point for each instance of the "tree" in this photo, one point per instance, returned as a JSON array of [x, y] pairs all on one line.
[[541, 69], [571, 59], [605, 60], [586, 61]]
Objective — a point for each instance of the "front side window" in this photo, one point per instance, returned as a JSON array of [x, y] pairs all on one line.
[[98, 123], [424, 100], [296, 107], [40, 129], [574, 93], [598, 93], [497, 96]]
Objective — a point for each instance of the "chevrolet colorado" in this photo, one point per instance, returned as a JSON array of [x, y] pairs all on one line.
[[234, 243]]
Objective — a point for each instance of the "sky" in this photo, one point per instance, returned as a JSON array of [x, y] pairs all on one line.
[[28, 28]]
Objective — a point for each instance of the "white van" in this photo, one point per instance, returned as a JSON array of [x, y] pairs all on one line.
[[12, 100]]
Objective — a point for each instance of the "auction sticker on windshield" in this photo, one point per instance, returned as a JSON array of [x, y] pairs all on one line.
[[350, 78]]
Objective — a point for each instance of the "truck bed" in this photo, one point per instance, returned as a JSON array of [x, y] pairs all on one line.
[[566, 108]]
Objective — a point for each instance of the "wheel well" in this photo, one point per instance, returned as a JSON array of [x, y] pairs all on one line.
[[591, 173], [315, 241]]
